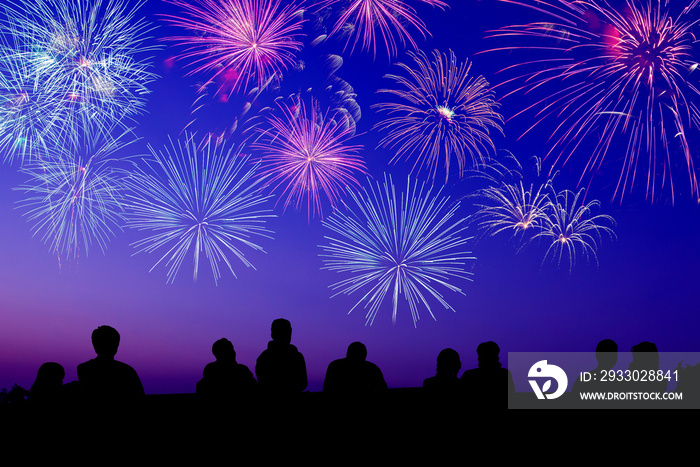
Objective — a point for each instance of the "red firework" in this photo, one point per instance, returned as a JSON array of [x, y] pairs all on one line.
[[621, 75]]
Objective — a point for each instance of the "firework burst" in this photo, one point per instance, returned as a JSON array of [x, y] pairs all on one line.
[[410, 245], [75, 198], [442, 114], [509, 203], [199, 201], [240, 41], [305, 155], [367, 22], [622, 81], [573, 229], [83, 59]]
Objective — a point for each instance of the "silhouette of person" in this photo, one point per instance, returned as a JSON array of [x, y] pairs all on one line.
[[645, 360], [48, 390], [688, 384], [354, 374], [445, 380], [490, 383], [105, 380], [281, 368], [600, 379], [225, 378], [48, 383]]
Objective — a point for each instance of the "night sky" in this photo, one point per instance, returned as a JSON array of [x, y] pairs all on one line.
[[644, 288]]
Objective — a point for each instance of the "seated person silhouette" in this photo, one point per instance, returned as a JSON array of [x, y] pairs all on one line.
[[606, 355], [445, 380], [645, 362], [225, 378], [688, 384], [281, 368], [488, 385], [48, 390], [354, 374], [105, 380]]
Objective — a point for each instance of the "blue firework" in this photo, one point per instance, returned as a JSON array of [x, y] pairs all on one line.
[[85, 61], [197, 201], [410, 245], [74, 194]]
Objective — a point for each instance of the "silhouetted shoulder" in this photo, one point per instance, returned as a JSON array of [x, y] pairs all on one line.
[[445, 380], [484, 376], [274, 351], [488, 385], [223, 380], [353, 374], [442, 384], [281, 368], [109, 379], [104, 379]]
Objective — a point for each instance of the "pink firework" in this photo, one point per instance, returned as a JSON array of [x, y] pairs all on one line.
[[366, 22], [623, 85], [240, 41], [305, 155]]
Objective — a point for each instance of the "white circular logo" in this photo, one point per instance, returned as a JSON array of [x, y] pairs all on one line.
[[541, 370]]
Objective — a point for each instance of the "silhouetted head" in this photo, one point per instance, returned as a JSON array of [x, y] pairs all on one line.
[[448, 362], [606, 353], [223, 350], [50, 375], [645, 347], [281, 330], [488, 354], [105, 340], [357, 351], [645, 355]]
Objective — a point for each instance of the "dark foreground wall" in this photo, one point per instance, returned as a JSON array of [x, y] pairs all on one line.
[[180, 429], [264, 426]]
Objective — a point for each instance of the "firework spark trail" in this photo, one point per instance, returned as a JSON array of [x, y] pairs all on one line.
[[305, 155], [316, 73], [244, 41], [197, 201], [85, 60], [572, 227], [409, 245], [75, 198], [366, 22], [246, 112], [620, 74], [509, 203], [316, 76], [443, 114]]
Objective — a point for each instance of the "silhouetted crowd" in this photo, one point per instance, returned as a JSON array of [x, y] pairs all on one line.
[[280, 372]]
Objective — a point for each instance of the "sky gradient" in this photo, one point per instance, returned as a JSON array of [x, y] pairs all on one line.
[[644, 289]]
